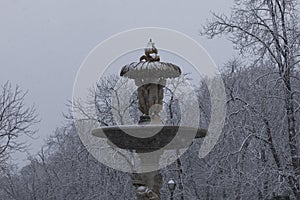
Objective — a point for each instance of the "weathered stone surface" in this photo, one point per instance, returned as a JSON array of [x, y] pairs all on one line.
[[145, 142], [152, 183]]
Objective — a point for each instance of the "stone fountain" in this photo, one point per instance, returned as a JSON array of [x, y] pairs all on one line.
[[150, 76]]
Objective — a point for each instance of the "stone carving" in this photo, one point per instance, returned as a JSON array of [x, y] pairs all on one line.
[[150, 77]]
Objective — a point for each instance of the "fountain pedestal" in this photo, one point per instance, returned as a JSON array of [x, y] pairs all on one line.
[[152, 180]]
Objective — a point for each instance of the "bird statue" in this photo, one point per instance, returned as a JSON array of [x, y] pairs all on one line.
[[151, 53]]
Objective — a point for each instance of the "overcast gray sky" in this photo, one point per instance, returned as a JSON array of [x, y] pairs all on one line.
[[43, 43]]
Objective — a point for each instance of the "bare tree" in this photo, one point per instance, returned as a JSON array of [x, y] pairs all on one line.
[[267, 30], [16, 119]]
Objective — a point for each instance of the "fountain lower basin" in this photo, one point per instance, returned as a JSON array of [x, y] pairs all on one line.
[[142, 140]]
